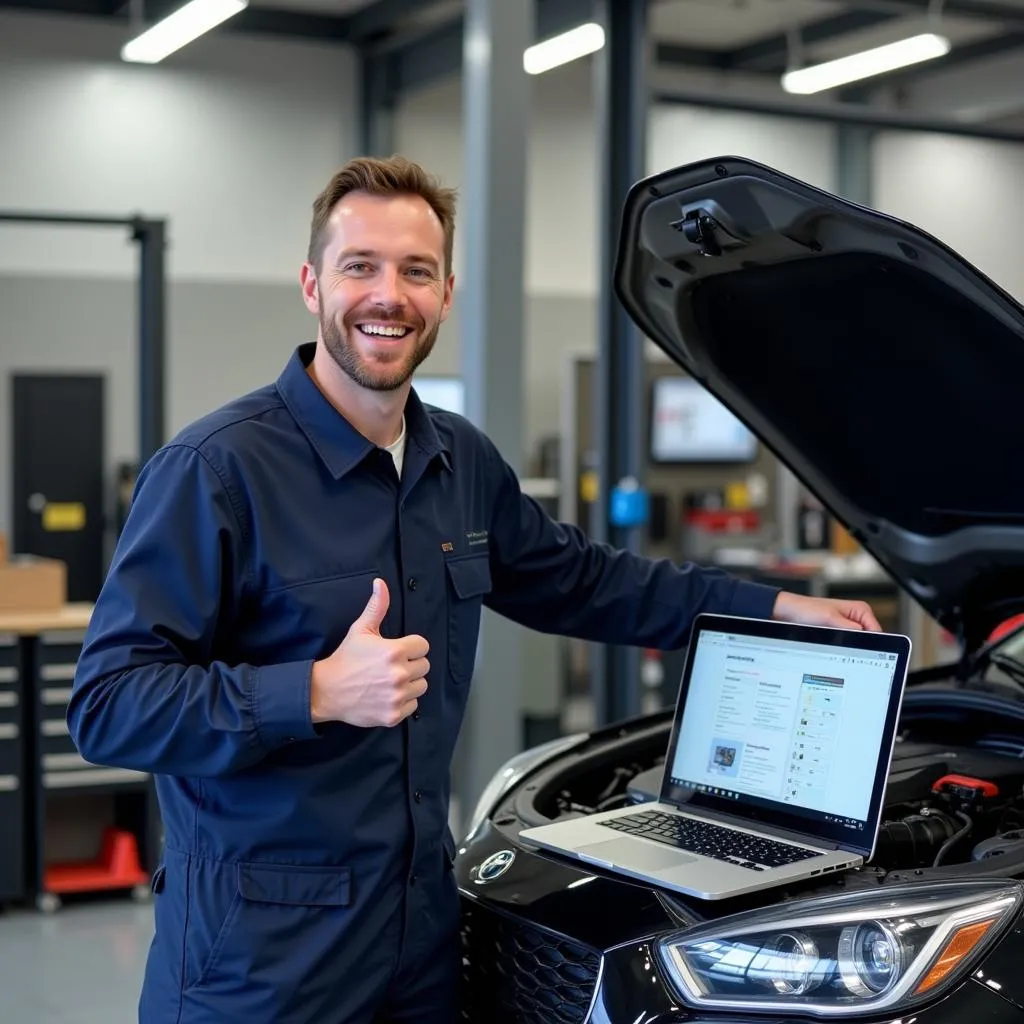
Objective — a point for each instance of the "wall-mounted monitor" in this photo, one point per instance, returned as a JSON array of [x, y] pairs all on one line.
[[688, 424], [446, 393]]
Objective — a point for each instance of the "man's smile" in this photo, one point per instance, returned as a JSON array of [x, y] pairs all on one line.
[[377, 329]]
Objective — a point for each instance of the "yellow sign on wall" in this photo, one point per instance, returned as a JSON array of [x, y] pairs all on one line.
[[63, 516]]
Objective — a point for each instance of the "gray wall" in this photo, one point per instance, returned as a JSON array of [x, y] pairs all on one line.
[[224, 338]]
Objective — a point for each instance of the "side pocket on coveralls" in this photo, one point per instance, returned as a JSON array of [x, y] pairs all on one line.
[[270, 906]]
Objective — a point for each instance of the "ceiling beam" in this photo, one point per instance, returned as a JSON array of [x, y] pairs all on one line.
[[838, 113], [81, 7], [437, 53], [983, 49], [256, 20], [293, 24], [555, 16], [382, 18], [772, 52], [986, 10], [431, 57], [691, 57]]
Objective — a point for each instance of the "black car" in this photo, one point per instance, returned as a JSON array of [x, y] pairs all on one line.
[[888, 374]]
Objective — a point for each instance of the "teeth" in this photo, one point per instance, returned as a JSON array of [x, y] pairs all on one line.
[[387, 332]]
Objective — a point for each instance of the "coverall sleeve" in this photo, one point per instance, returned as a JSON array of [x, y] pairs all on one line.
[[551, 577], [149, 693]]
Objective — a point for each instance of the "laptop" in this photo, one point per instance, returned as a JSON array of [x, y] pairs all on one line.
[[776, 766]]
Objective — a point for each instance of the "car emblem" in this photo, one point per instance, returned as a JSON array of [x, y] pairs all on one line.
[[495, 866]]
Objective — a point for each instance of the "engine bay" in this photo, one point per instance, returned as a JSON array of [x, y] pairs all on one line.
[[945, 804], [949, 805]]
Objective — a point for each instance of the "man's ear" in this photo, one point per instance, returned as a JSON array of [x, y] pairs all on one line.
[[310, 288]]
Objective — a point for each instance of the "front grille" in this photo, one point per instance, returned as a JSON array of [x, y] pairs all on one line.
[[516, 973]]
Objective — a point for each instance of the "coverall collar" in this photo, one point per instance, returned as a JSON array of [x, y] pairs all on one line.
[[340, 446]]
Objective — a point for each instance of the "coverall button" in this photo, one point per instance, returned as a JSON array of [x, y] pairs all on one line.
[[416, 715], [417, 796], [412, 582], [412, 880]]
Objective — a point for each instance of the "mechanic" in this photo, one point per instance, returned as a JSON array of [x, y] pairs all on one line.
[[287, 633]]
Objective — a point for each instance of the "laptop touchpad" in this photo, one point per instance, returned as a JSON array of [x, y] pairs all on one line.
[[639, 856]]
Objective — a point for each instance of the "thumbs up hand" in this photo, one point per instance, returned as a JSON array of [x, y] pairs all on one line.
[[370, 680]]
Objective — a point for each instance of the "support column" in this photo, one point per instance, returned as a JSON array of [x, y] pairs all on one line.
[[853, 163], [376, 104], [492, 219], [151, 236], [622, 102]]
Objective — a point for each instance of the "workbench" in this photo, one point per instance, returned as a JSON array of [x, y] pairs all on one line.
[[43, 778]]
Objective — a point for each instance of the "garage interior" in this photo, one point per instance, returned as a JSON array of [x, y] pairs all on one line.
[[152, 220]]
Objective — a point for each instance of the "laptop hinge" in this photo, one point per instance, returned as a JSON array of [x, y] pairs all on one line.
[[771, 830]]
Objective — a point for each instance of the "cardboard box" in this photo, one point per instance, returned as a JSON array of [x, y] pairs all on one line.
[[842, 542], [30, 584]]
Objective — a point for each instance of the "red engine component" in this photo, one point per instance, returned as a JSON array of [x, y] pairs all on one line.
[[965, 787]]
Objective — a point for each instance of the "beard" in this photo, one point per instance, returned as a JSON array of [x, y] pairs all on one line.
[[378, 375]]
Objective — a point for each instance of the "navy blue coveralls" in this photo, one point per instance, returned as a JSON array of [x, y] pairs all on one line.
[[306, 876]]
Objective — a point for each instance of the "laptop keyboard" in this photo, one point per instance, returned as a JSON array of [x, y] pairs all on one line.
[[701, 837]]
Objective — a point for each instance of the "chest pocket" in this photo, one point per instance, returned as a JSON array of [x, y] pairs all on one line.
[[311, 618], [469, 579]]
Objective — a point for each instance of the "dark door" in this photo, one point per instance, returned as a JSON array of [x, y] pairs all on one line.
[[58, 475]]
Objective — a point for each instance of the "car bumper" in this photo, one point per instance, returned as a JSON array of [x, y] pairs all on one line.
[[519, 973]]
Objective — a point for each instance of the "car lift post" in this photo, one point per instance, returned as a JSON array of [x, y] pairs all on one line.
[[152, 320], [622, 104]]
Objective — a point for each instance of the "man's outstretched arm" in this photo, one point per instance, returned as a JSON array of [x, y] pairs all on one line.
[[551, 577]]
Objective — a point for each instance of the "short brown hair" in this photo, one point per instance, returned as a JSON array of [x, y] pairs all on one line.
[[393, 176]]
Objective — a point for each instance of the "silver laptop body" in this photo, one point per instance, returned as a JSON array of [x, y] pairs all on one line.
[[776, 766]]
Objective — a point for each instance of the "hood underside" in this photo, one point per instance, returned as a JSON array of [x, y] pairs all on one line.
[[875, 362]]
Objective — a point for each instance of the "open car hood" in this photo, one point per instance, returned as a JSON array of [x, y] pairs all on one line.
[[875, 362]]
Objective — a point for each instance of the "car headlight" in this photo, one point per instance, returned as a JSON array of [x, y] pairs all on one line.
[[842, 955]]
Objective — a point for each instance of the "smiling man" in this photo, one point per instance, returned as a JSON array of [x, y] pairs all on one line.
[[287, 635]]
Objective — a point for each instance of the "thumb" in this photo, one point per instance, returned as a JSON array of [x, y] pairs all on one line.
[[375, 610]]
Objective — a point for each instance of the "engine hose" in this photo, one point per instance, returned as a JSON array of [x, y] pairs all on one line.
[[622, 777], [912, 842], [953, 840]]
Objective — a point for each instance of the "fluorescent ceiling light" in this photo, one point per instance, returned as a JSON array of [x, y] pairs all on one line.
[[877, 61], [575, 43], [179, 29]]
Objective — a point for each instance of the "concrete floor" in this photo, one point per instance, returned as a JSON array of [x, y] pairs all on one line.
[[84, 963], [81, 965]]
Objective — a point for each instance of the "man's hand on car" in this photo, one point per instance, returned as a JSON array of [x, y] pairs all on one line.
[[370, 680], [825, 611]]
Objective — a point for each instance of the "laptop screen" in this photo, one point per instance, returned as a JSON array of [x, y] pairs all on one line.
[[786, 730]]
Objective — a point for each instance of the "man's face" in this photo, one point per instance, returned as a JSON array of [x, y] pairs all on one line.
[[381, 292]]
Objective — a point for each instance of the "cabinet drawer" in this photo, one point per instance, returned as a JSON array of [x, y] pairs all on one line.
[[10, 706], [12, 864], [10, 749], [59, 649], [10, 651], [54, 737]]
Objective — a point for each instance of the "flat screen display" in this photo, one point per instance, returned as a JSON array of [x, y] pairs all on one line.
[[688, 424], [446, 393]]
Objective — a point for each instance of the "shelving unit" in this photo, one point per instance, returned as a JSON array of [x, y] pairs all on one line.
[[12, 770], [123, 844]]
